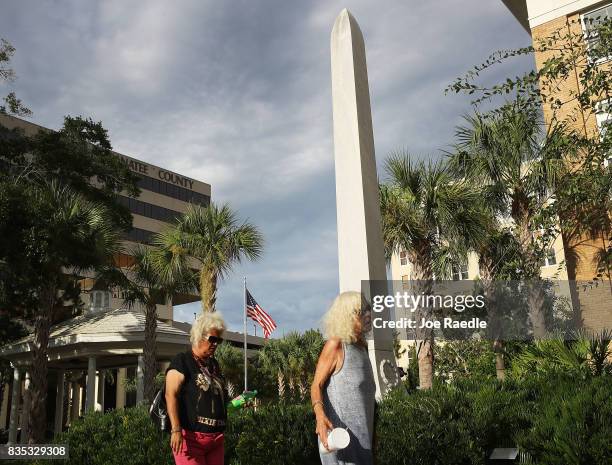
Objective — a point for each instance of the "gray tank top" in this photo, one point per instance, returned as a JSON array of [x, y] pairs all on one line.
[[348, 399]]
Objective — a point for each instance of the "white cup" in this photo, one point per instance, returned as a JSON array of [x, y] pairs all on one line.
[[337, 439]]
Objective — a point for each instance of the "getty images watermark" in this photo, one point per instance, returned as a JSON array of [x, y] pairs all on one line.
[[465, 309], [410, 303]]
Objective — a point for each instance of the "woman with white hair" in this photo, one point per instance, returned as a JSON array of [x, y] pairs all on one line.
[[343, 388], [196, 397]]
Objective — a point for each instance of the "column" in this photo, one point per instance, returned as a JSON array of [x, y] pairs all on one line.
[[66, 403], [101, 383], [140, 380], [76, 401], [90, 394], [25, 411], [121, 375], [4, 408], [15, 398], [82, 398], [59, 402]]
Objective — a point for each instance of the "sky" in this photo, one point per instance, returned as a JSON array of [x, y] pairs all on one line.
[[238, 94]]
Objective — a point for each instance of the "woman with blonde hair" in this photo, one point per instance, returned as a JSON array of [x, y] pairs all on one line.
[[343, 388], [196, 397]]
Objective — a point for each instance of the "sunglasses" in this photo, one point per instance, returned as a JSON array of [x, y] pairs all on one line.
[[214, 339]]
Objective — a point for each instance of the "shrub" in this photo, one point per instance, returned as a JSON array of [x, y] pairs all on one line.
[[273, 435], [116, 438], [572, 424], [458, 423], [560, 419], [464, 359]]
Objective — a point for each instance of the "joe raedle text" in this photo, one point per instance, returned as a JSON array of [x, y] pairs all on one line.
[[428, 323]]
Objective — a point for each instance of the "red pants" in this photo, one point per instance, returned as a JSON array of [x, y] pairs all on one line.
[[200, 449]]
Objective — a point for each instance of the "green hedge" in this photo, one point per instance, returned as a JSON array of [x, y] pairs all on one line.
[[118, 437], [560, 420], [573, 423], [276, 434], [450, 424]]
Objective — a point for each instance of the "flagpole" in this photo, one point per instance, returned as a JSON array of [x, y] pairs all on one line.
[[245, 335]]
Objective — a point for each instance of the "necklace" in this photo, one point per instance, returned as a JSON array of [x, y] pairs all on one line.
[[207, 377]]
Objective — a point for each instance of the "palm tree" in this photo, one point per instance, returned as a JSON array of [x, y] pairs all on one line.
[[273, 358], [436, 219], [231, 361], [155, 275], [214, 238], [292, 359], [518, 166], [581, 353], [496, 254], [74, 237], [302, 354]]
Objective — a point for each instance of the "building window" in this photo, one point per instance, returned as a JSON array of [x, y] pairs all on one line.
[[549, 259], [603, 114], [460, 273], [590, 23], [99, 300], [149, 210], [138, 235], [155, 185], [403, 258], [405, 282]]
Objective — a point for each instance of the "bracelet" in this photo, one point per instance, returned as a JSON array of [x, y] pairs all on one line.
[[317, 402], [176, 430]]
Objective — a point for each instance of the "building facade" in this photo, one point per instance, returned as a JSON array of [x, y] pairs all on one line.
[[577, 18], [552, 267]]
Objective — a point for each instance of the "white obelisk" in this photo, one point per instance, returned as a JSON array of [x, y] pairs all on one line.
[[360, 245]]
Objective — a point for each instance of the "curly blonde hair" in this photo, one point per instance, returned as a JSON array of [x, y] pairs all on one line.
[[339, 321], [202, 325]]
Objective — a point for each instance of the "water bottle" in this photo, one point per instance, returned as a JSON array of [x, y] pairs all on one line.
[[242, 399]]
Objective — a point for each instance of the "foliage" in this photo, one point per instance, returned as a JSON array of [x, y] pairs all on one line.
[[73, 156], [437, 219], [276, 434], [231, 361], [450, 424], [115, 437], [10, 330], [558, 418], [12, 104], [473, 359], [572, 423], [566, 54], [411, 380], [69, 159], [580, 354], [153, 277], [583, 193], [55, 224], [518, 166], [292, 359], [212, 236], [66, 236], [427, 212], [131, 383]]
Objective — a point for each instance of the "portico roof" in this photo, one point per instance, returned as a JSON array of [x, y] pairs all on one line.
[[107, 331]]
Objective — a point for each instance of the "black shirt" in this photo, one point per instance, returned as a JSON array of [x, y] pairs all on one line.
[[202, 395]]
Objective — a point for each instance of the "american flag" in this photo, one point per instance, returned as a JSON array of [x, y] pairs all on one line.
[[256, 313]]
